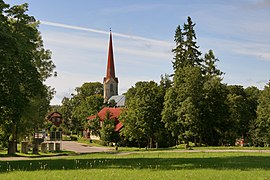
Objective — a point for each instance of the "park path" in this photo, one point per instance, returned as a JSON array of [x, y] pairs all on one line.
[[76, 147], [82, 148]]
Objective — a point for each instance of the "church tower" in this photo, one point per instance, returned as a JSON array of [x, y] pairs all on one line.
[[110, 82]]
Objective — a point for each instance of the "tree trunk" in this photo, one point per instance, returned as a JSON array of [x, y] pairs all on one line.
[[12, 145], [150, 143], [186, 145]]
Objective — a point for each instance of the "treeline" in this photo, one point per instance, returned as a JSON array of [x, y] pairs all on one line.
[[193, 105]]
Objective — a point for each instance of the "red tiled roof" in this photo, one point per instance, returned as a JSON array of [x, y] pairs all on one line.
[[91, 117], [118, 127], [114, 112]]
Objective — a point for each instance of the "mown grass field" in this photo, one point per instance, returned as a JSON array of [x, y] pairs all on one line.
[[142, 165]]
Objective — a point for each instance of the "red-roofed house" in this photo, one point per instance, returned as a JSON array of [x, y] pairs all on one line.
[[114, 115]]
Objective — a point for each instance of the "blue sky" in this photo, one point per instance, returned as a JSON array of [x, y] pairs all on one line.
[[77, 33]]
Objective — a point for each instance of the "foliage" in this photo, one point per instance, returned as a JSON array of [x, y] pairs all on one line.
[[214, 117], [142, 117], [24, 67], [94, 126], [186, 50], [107, 131], [262, 123], [87, 101], [181, 109]]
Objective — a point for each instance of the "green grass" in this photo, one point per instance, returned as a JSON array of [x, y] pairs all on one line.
[[142, 165]]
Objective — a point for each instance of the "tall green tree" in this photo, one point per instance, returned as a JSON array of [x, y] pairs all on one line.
[[142, 117], [262, 123], [186, 51], [194, 107], [24, 66], [214, 110], [181, 113], [252, 95]]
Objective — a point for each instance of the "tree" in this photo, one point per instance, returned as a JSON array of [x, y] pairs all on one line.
[[252, 95], [94, 126], [184, 123], [24, 66], [240, 114], [142, 117], [214, 111], [194, 107], [66, 111], [209, 65], [33, 117], [87, 101], [187, 86], [107, 131], [186, 51], [262, 123]]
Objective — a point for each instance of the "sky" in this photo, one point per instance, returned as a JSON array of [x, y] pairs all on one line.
[[77, 33]]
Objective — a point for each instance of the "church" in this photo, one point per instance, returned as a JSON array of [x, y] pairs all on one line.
[[110, 87], [110, 82]]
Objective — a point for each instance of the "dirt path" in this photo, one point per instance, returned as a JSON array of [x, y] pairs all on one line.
[[82, 148], [76, 147]]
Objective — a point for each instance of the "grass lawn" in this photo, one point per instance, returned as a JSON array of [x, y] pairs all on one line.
[[142, 165]]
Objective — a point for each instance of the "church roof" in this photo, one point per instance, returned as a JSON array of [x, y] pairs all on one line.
[[119, 100], [110, 64], [114, 112]]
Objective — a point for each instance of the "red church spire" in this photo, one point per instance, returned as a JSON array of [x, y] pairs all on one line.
[[110, 64], [110, 82]]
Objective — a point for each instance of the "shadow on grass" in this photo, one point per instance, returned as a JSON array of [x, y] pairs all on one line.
[[40, 155], [219, 163]]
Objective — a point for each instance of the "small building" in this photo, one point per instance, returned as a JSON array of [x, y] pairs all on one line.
[[56, 118]]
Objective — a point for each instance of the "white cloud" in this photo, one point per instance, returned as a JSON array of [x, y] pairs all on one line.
[[154, 41]]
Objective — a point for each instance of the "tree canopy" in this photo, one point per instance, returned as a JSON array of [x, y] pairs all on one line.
[[24, 67]]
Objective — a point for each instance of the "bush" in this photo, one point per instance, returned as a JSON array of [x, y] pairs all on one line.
[[73, 138]]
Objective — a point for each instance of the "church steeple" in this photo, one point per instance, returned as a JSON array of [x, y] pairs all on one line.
[[110, 64], [110, 81]]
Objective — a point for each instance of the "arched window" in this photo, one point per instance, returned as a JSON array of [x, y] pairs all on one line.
[[111, 88]]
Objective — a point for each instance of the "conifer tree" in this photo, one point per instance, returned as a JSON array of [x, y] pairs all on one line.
[[190, 109], [186, 50]]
